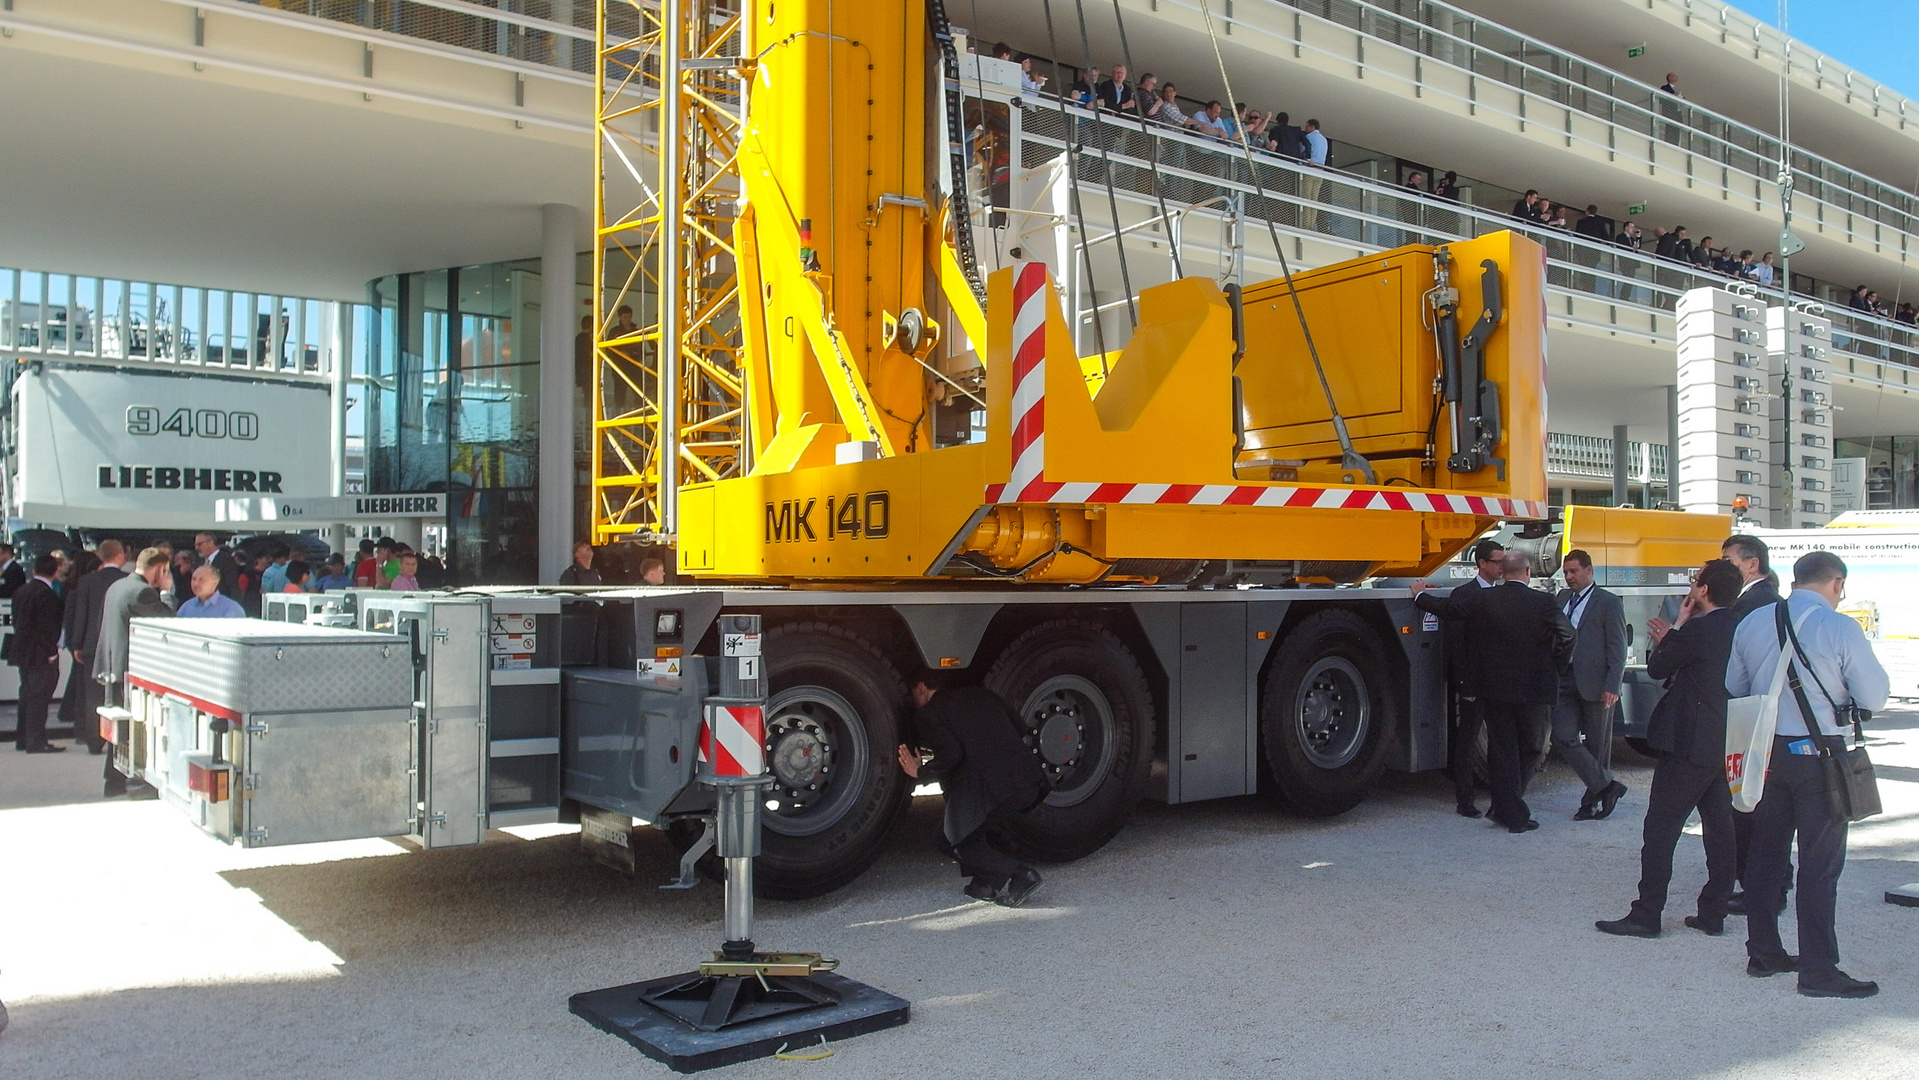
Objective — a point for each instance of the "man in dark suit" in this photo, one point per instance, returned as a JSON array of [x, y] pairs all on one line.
[[220, 557], [1465, 757], [1688, 731], [86, 602], [134, 595], [1521, 643], [986, 771], [1582, 717], [35, 650], [1759, 591], [12, 574]]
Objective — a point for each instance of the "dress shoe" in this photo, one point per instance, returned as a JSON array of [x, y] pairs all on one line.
[[1608, 799], [1706, 926], [48, 749], [1466, 809], [1021, 888], [1839, 985], [1628, 927], [1765, 967], [1584, 813], [979, 890], [1736, 904], [1527, 825]]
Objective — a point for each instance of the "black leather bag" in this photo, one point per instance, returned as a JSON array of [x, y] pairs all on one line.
[[1852, 788]]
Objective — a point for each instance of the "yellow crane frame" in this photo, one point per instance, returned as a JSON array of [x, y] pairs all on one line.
[[668, 124]]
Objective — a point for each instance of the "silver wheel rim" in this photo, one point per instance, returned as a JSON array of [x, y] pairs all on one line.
[[1332, 711], [1068, 723], [816, 753]]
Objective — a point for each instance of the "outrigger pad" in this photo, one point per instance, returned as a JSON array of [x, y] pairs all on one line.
[[845, 1009]]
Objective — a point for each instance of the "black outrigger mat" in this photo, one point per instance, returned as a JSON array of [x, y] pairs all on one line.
[[620, 1010]]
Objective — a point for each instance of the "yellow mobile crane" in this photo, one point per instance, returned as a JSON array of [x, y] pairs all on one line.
[[844, 421], [850, 392]]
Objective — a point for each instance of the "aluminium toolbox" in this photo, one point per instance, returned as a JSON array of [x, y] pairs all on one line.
[[317, 740]]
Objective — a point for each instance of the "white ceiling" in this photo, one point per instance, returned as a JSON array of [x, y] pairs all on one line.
[[225, 181]]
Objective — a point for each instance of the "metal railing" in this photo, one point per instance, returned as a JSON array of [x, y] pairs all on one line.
[[1148, 165], [549, 33], [1589, 457], [92, 319], [1640, 123], [1768, 41]]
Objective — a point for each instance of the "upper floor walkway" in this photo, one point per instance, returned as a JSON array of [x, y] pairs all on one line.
[[1446, 85]]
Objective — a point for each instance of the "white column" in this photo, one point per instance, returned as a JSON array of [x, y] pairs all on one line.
[[1798, 344], [339, 349], [1722, 402], [558, 303]]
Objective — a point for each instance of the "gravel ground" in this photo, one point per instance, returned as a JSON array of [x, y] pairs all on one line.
[[1220, 939]]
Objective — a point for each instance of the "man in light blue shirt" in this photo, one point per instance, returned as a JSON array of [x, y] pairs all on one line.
[[274, 580], [208, 602], [1838, 670], [1311, 185], [1315, 144]]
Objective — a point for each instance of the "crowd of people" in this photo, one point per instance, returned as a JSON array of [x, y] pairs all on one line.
[[1271, 131], [1155, 101], [64, 601], [1527, 664]]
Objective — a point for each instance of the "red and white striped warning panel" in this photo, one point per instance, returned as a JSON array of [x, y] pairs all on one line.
[[1434, 502], [1028, 484], [733, 740]]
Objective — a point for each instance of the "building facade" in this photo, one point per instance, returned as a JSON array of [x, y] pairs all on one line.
[[419, 170]]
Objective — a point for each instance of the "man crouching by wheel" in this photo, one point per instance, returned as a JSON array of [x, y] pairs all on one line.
[[987, 772]]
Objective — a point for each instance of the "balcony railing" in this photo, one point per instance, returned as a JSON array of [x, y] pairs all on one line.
[[1157, 172], [47, 316], [1635, 121], [1589, 457], [559, 36], [1767, 41]]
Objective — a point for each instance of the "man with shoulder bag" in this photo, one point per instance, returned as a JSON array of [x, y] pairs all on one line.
[[1810, 787]]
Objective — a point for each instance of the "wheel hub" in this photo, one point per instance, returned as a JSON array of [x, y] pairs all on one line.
[[1332, 710], [1061, 737], [1069, 724], [816, 754], [801, 753]]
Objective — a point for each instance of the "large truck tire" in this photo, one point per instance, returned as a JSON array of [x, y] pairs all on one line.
[[833, 722], [1084, 706], [1329, 703]]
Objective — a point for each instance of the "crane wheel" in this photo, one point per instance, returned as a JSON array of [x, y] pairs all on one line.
[[834, 719], [1086, 710], [1328, 705]]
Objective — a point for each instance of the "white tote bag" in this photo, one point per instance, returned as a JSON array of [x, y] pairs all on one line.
[[1749, 729]]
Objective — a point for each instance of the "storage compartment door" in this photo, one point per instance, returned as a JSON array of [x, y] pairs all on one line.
[[453, 786], [326, 776]]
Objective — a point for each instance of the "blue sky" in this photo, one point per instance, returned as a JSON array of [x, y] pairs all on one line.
[[1876, 37]]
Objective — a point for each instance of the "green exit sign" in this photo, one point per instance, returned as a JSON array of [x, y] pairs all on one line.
[[1635, 52], [1636, 208]]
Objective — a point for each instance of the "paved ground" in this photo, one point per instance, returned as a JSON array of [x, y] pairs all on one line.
[[1216, 940]]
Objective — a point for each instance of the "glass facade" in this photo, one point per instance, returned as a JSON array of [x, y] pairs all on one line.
[[1892, 470], [452, 371]]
